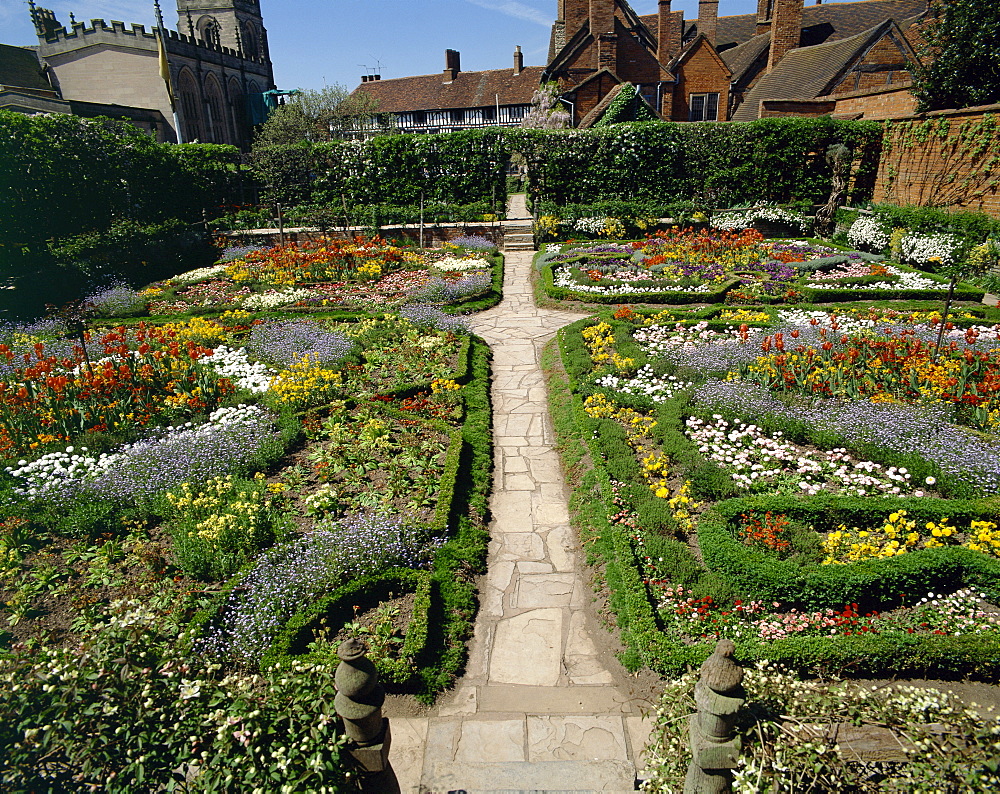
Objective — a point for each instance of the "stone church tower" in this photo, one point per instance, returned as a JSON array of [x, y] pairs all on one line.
[[218, 59], [236, 24]]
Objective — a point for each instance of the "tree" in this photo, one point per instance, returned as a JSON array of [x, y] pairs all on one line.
[[961, 62], [321, 115], [547, 113]]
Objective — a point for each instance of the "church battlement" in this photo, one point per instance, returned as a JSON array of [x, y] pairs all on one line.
[[99, 31]]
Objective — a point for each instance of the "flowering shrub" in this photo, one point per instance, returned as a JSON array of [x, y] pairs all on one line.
[[745, 219], [930, 249], [868, 234], [282, 343]]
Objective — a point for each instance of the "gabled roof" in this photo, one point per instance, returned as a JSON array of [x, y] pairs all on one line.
[[20, 68], [844, 19], [742, 58], [467, 90], [688, 50], [594, 116], [809, 72], [601, 107], [581, 38]]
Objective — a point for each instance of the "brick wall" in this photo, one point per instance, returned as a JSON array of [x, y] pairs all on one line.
[[890, 102], [701, 73], [928, 165]]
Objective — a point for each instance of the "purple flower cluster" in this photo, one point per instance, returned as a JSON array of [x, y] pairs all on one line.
[[287, 578], [282, 343], [236, 252], [924, 431], [473, 242], [777, 275], [115, 301], [432, 317], [440, 290]]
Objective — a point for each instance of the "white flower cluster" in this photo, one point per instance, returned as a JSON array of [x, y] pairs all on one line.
[[561, 278], [236, 365], [657, 340], [756, 460], [845, 324], [590, 225], [923, 249], [744, 219], [658, 389], [199, 274], [907, 280], [51, 473], [868, 233], [451, 263], [273, 299]]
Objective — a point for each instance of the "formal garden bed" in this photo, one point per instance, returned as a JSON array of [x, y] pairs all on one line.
[[196, 508], [720, 266], [819, 488]]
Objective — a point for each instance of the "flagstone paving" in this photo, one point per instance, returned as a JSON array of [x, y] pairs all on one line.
[[538, 708]]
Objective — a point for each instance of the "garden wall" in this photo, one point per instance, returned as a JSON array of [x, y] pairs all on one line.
[[949, 159]]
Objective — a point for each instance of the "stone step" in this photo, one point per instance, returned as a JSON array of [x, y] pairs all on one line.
[[578, 777]]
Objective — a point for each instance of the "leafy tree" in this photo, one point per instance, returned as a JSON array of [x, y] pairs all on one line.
[[324, 114], [961, 62]]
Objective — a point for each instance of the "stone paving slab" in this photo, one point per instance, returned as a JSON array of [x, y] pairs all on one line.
[[537, 709]]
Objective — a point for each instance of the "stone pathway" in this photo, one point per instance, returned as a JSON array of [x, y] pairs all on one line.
[[537, 709]]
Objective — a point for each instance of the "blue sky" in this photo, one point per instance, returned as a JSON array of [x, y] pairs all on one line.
[[336, 41]]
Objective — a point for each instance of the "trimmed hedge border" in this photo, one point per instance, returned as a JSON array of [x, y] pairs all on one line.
[[769, 577], [869, 583]]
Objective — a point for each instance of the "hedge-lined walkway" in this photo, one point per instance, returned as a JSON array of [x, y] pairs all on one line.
[[537, 708]]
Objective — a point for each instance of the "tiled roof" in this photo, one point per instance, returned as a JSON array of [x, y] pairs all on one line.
[[19, 68], [845, 19], [467, 90], [741, 58], [805, 73]]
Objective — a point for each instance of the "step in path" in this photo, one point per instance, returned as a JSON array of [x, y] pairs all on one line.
[[538, 708]]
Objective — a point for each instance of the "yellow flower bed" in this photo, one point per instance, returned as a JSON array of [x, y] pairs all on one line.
[[600, 342], [305, 383], [898, 535]]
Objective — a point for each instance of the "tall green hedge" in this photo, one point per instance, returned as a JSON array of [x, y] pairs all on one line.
[[718, 165], [63, 175], [455, 168]]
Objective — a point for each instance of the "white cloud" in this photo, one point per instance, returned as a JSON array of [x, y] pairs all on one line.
[[514, 9]]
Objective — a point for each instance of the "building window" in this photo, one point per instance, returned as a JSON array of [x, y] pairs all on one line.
[[457, 117], [489, 114], [704, 107], [419, 117]]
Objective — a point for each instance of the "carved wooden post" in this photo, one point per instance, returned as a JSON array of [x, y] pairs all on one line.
[[715, 747], [359, 703]]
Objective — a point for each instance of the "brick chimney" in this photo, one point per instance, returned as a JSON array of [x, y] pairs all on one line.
[[574, 13], [518, 60], [708, 19], [668, 37], [786, 29], [602, 26], [452, 65], [764, 16]]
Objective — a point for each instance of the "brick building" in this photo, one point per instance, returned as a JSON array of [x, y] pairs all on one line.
[[456, 100], [217, 67]]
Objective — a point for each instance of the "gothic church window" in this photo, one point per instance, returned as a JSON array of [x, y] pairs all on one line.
[[209, 31], [187, 89]]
